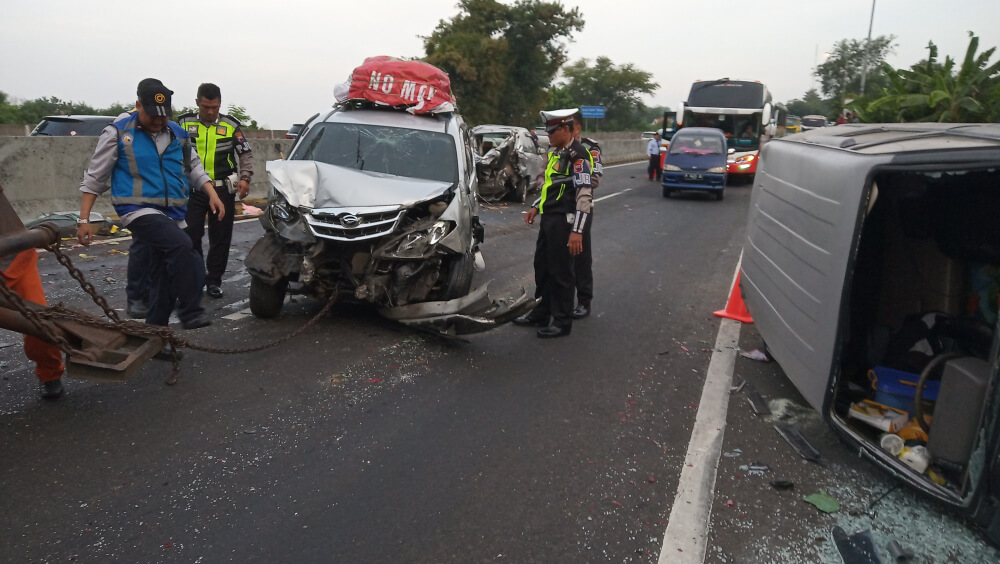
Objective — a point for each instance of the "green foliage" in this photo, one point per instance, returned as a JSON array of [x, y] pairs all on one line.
[[840, 75], [240, 113], [930, 91], [617, 88], [810, 104], [32, 111], [502, 58]]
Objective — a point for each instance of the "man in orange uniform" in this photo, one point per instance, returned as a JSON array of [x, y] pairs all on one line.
[[20, 273]]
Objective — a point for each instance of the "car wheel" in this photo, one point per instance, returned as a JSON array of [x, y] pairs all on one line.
[[266, 299], [667, 192], [459, 281], [520, 193], [720, 194]]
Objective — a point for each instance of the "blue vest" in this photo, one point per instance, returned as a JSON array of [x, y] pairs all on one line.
[[142, 178]]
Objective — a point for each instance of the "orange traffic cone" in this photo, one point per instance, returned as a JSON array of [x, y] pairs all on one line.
[[735, 308]]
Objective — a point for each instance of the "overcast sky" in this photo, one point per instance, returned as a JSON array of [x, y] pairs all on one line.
[[281, 59]]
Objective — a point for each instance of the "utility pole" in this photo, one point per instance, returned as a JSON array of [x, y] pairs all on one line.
[[868, 44]]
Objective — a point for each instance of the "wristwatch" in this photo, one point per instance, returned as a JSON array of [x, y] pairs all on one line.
[[79, 221], [244, 177]]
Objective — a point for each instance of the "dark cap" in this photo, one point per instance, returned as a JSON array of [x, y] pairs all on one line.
[[146, 82], [155, 98]]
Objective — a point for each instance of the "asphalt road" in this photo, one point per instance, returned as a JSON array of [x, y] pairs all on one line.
[[362, 441]]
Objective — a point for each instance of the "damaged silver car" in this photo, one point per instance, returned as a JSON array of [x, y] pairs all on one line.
[[510, 162], [378, 205]]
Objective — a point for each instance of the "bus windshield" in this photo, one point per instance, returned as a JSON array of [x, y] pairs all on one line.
[[742, 131]]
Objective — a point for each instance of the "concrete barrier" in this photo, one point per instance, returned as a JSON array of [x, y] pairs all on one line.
[[42, 175]]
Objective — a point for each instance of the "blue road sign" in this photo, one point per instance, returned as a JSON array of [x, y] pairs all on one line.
[[592, 111]]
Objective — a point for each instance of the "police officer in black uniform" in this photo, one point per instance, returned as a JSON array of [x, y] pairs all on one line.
[[583, 263], [564, 207]]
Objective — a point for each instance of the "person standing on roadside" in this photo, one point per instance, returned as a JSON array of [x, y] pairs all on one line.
[[227, 158], [653, 152], [151, 166], [583, 263], [564, 207]]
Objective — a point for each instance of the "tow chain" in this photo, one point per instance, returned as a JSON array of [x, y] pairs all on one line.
[[42, 320]]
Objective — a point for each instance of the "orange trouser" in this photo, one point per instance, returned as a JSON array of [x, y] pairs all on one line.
[[22, 277]]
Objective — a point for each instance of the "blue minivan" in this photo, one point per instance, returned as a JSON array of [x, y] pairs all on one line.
[[696, 160]]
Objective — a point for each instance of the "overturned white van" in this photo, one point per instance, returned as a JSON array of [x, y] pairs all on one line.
[[872, 270]]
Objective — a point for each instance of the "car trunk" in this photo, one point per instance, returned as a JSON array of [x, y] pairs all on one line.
[[864, 269]]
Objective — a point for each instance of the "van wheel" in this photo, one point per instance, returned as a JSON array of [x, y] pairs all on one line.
[[460, 273], [520, 193], [266, 299], [667, 192], [720, 194]]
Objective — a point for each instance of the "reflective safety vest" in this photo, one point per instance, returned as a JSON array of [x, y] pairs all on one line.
[[558, 173], [216, 143], [143, 178]]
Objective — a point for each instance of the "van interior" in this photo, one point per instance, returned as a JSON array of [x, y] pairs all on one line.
[[917, 360]]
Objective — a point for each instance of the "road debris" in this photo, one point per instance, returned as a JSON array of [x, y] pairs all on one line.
[[794, 438], [858, 548], [756, 354], [823, 501]]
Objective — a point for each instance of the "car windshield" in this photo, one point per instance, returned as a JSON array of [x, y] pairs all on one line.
[[791, 122], [61, 126], [490, 140], [814, 122], [696, 144], [391, 150]]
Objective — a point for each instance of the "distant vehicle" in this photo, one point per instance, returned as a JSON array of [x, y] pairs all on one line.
[[72, 125], [696, 160], [509, 163], [813, 122], [743, 110], [792, 124], [293, 131]]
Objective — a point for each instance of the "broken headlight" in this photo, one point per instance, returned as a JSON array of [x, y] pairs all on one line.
[[281, 210], [420, 244]]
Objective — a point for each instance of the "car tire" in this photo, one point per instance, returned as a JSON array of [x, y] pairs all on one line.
[[266, 299], [720, 194], [459, 277], [520, 193], [667, 192]]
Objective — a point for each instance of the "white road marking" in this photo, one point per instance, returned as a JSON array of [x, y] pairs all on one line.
[[612, 195], [686, 539]]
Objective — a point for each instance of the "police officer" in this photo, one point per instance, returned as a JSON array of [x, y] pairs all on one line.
[[653, 152], [152, 169], [227, 158], [583, 263], [564, 207]]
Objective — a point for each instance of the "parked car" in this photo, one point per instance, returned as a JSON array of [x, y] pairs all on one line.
[[72, 125], [293, 131], [509, 163], [695, 160], [871, 268], [378, 205], [792, 124], [813, 122]]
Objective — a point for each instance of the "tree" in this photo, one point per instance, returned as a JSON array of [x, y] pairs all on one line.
[[930, 91], [810, 104], [240, 113], [840, 75], [617, 88], [501, 59]]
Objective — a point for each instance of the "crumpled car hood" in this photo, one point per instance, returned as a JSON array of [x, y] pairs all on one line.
[[312, 184]]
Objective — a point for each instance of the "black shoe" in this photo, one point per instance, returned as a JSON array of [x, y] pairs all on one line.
[[137, 309], [51, 389], [581, 311], [214, 291], [531, 320], [165, 354], [198, 322], [553, 331]]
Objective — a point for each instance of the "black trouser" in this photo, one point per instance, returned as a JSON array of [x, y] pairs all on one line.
[[654, 167], [583, 267], [554, 269], [139, 269], [220, 231], [178, 273]]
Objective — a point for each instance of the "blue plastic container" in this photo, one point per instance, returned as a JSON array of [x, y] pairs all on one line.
[[896, 388]]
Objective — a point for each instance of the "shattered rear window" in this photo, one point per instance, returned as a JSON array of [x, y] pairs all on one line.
[[411, 153]]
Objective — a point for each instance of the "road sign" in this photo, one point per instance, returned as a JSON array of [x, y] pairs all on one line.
[[592, 111]]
